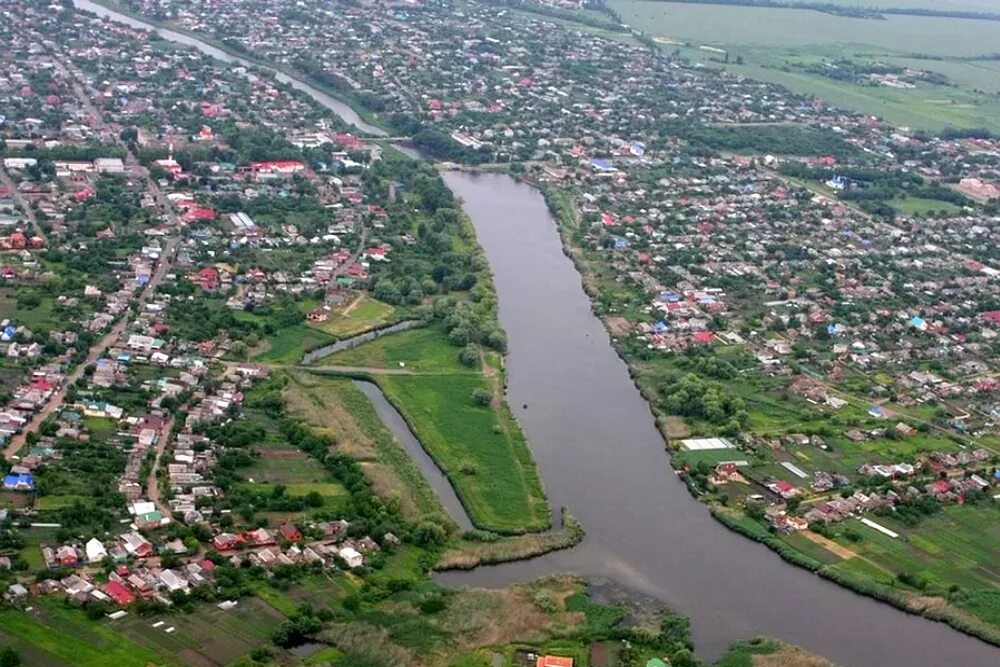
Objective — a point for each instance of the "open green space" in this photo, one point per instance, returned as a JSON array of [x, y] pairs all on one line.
[[725, 25], [777, 45], [336, 406], [34, 315], [481, 448], [423, 350], [289, 344], [354, 318], [922, 206]]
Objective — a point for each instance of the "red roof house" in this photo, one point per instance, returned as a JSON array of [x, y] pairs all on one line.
[[121, 595]]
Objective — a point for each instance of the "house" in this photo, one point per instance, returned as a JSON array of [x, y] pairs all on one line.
[[95, 551], [553, 661], [226, 542], [352, 557], [119, 593], [259, 537], [290, 532], [783, 489], [137, 545], [19, 482], [109, 165]]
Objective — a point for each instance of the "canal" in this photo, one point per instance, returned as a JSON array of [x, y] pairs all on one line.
[[600, 454]]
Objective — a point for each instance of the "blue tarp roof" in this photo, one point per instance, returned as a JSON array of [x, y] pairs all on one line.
[[23, 479]]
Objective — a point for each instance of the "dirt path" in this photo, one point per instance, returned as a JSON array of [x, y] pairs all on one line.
[[829, 545], [152, 487], [352, 305], [96, 352]]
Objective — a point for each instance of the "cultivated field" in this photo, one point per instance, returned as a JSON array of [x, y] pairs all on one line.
[[775, 45]]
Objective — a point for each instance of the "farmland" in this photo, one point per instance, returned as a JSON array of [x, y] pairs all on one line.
[[785, 46]]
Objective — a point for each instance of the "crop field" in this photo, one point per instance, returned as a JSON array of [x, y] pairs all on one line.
[[723, 25], [52, 635], [209, 636], [480, 448], [769, 44], [956, 546]]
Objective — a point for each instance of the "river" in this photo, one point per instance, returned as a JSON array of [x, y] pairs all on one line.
[[599, 453]]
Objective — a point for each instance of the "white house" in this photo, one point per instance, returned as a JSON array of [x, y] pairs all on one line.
[[95, 551], [352, 557]]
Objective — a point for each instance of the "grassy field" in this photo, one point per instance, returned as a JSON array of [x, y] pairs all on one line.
[[290, 343], [480, 448], [723, 25], [921, 206], [773, 44], [41, 316], [423, 350], [338, 408], [354, 318]]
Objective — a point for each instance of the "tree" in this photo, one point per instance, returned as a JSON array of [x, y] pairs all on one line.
[[469, 356], [9, 657], [481, 396]]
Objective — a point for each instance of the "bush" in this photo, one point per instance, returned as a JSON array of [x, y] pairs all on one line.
[[481, 397]]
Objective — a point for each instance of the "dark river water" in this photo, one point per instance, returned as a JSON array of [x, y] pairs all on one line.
[[600, 454]]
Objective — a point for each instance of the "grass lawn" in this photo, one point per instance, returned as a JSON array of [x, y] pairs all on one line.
[[49, 503], [286, 466], [921, 206], [481, 449], [352, 319], [423, 350], [325, 489], [100, 428], [39, 317], [288, 345]]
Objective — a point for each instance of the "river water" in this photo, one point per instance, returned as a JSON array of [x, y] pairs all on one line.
[[599, 453]]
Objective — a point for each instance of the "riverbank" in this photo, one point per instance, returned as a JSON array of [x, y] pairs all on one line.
[[473, 551], [932, 607], [480, 448], [598, 451]]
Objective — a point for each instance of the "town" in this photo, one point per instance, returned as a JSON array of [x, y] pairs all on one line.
[[198, 261]]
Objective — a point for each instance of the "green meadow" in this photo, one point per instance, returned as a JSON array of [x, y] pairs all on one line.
[[423, 350], [480, 448]]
